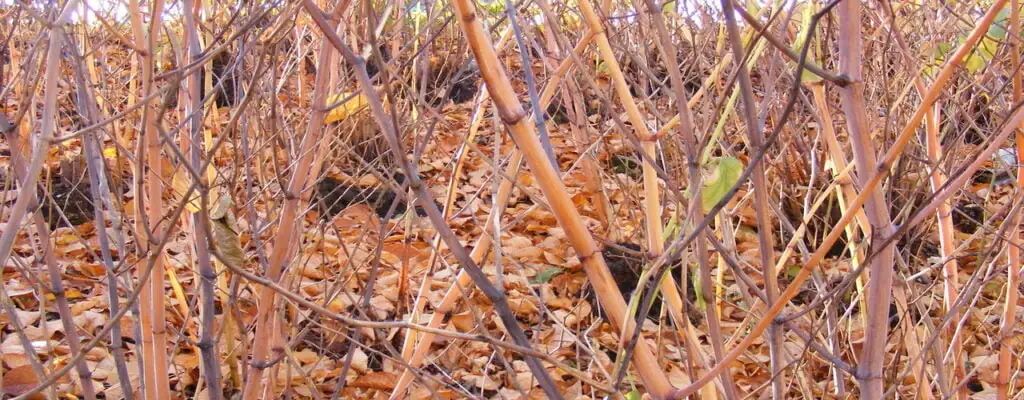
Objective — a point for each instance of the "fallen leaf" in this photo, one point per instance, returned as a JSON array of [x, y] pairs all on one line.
[[546, 275], [463, 322], [20, 380], [376, 380]]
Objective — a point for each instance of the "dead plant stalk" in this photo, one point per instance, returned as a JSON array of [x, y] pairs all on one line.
[[766, 243], [1014, 270], [290, 225], [425, 200], [149, 192]]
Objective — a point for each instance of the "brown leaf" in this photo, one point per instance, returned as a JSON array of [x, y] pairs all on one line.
[[376, 380], [229, 245], [463, 322], [401, 250], [20, 380]]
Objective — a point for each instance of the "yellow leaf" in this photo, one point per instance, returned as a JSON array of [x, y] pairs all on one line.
[[350, 105], [725, 175], [69, 294], [179, 185]]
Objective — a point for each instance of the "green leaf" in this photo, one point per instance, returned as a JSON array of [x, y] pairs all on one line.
[[698, 290], [998, 28], [982, 55], [974, 62], [418, 16], [668, 7], [546, 275], [494, 7], [634, 395], [792, 271], [672, 227], [602, 68], [727, 172], [942, 49], [807, 77]]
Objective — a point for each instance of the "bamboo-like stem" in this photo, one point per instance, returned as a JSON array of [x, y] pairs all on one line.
[[409, 348], [288, 228], [91, 147], [652, 203], [713, 78], [207, 276], [149, 188], [574, 106], [325, 145], [947, 242], [791, 54], [147, 270], [42, 144], [880, 171], [588, 164], [43, 234], [846, 192], [28, 178], [815, 259], [913, 343], [424, 198], [1014, 270], [410, 339], [415, 356], [230, 323], [63, 307], [462, 281], [687, 132], [766, 243], [513, 115], [952, 187], [879, 287]]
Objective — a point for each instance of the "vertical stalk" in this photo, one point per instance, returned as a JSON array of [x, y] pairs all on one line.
[[844, 193], [418, 350], [947, 243], [879, 287], [208, 348], [288, 227], [1014, 270], [29, 178], [513, 115], [765, 243], [687, 131], [867, 189], [152, 321], [98, 186], [423, 197], [413, 349], [652, 203]]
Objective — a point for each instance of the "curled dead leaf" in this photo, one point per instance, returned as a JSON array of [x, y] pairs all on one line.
[[463, 322]]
